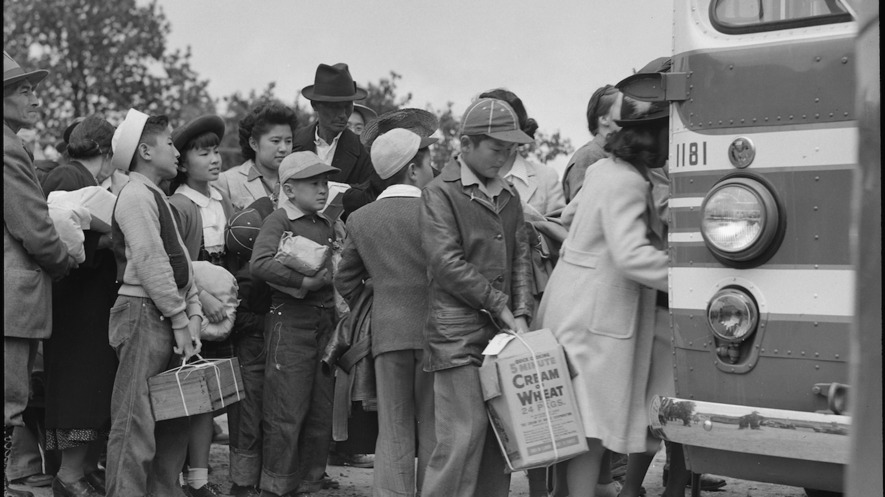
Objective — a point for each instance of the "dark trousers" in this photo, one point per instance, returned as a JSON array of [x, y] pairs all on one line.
[[297, 395], [245, 416]]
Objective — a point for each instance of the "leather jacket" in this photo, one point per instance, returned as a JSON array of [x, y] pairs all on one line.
[[479, 262]]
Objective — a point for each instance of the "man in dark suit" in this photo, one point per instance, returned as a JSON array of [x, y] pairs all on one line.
[[33, 253], [331, 97]]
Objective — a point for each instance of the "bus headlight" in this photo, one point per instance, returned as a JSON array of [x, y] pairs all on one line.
[[732, 314], [740, 219]]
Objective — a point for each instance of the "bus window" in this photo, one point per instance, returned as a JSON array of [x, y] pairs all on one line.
[[752, 16]]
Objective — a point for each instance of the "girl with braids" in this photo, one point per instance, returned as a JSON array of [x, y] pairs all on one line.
[[79, 362]]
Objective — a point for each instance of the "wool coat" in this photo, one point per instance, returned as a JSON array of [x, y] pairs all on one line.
[[33, 254], [384, 243], [79, 362], [600, 303], [351, 157]]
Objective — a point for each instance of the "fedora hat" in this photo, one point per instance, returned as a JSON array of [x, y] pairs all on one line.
[[209, 123], [418, 121], [13, 73], [333, 84]]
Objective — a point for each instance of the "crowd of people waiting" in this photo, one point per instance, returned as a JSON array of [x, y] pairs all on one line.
[[447, 257]]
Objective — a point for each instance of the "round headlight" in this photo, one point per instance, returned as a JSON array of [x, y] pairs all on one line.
[[732, 314], [740, 219]]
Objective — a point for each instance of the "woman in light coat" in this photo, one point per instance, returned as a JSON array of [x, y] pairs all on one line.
[[600, 300]]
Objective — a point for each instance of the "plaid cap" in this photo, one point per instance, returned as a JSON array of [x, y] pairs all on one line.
[[495, 118]]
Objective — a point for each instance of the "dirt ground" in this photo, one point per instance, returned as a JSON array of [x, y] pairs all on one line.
[[356, 482]]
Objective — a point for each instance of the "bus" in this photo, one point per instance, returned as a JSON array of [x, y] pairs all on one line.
[[763, 165]]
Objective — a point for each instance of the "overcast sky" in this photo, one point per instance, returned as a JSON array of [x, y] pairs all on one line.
[[552, 54]]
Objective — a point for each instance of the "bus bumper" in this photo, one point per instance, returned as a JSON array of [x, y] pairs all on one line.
[[753, 430]]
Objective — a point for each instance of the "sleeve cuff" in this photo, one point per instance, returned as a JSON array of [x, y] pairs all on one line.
[[496, 301], [180, 320]]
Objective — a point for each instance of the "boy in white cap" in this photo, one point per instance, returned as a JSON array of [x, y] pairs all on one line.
[[297, 394], [475, 240], [157, 314], [384, 244]]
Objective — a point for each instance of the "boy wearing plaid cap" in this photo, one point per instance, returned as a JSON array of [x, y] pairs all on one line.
[[474, 237]]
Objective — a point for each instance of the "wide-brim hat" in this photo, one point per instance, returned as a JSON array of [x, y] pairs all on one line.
[[13, 73], [367, 113], [303, 165], [209, 123], [126, 138], [418, 121], [333, 84]]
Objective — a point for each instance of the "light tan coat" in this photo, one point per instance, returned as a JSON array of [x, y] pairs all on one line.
[[600, 302]]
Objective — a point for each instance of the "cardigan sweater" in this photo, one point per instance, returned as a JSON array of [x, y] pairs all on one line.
[[148, 271]]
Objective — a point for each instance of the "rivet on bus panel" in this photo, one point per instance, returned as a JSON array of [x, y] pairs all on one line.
[[817, 59], [837, 356], [815, 324], [816, 237], [817, 116], [815, 207], [817, 366], [844, 60]]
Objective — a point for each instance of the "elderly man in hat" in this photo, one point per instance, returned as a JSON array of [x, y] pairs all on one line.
[[33, 253], [331, 97]]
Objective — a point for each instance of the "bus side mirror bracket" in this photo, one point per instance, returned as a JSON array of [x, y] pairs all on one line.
[[658, 87]]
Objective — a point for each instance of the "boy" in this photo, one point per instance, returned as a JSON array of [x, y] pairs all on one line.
[[384, 244], [474, 237], [297, 394], [157, 314]]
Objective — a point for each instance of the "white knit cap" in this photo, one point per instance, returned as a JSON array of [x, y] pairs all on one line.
[[393, 150], [126, 138]]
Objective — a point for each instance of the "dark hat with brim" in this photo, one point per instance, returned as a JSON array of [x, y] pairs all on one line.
[[367, 113], [659, 65], [418, 121], [638, 113], [333, 84], [13, 73], [209, 123]]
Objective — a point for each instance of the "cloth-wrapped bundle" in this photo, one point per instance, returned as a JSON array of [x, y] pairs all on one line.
[[69, 222], [301, 254], [98, 201], [222, 285]]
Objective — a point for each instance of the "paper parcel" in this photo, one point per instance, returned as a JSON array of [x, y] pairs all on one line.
[[516, 386]]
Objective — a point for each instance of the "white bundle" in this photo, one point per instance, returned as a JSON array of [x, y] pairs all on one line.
[[218, 282], [69, 222], [98, 201]]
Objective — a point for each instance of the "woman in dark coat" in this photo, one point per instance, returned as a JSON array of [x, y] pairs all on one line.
[[80, 364]]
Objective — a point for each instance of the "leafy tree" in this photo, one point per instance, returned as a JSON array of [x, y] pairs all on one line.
[[103, 56], [383, 95], [547, 148]]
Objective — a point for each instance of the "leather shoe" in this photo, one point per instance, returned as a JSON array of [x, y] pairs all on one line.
[[36, 481], [79, 488], [708, 483], [96, 479]]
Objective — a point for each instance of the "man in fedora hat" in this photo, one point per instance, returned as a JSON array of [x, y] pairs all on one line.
[[33, 253], [332, 96]]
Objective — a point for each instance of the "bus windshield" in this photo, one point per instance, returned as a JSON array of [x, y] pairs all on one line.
[[750, 16]]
